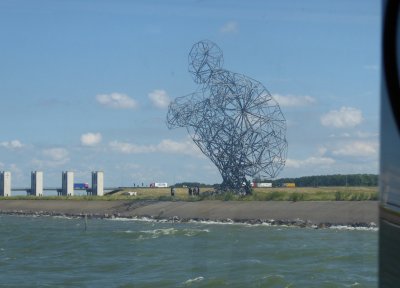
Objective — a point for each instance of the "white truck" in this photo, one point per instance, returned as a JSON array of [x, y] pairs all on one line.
[[264, 185], [159, 185]]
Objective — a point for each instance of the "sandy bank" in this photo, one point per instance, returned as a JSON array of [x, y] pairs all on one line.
[[307, 213]]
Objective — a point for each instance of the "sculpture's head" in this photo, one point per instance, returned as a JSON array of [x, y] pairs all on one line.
[[205, 58]]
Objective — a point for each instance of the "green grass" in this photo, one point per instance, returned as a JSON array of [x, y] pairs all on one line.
[[317, 194], [259, 194]]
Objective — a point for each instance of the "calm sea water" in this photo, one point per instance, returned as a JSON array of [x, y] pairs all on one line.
[[58, 252]]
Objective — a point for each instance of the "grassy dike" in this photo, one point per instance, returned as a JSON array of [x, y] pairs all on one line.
[[259, 194]]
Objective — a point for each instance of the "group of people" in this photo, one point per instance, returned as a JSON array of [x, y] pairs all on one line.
[[195, 191]]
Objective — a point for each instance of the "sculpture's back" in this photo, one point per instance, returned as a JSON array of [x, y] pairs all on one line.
[[233, 120]]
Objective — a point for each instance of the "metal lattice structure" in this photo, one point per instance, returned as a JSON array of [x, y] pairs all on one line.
[[232, 118]]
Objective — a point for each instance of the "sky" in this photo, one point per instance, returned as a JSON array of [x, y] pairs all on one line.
[[85, 85]]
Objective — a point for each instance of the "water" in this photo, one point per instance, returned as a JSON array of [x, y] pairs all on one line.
[[58, 252]]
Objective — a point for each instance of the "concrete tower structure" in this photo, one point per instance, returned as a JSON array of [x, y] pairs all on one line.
[[98, 183], [67, 183], [36, 183], [5, 183]]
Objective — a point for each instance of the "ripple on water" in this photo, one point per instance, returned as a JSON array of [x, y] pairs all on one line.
[[55, 252]]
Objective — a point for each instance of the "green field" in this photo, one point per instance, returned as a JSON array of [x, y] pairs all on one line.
[[259, 194]]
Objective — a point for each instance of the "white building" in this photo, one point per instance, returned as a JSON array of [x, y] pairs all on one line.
[[37, 183], [98, 183], [67, 183], [5, 183]]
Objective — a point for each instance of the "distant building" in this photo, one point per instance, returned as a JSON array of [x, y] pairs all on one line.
[[5, 183], [36, 183], [67, 183], [97, 183]]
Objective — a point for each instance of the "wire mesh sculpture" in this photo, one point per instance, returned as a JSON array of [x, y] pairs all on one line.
[[233, 119]]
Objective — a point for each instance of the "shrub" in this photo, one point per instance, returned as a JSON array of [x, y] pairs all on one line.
[[296, 197], [275, 195], [229, 196], [339, 196]]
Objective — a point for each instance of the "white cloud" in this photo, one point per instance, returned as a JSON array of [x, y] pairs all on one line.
[[322, 151], [55, 157], [356, 135], [343, 118], [56, 154], [293, 101], [186, 147], [14, 144], [357, 148], [311, 161], [229, 27], [129, 148], [116, 100], [159, 98], [90, 139], [362, 134]]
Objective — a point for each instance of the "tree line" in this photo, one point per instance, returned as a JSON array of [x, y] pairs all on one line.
[[307, 181], [327, 180]]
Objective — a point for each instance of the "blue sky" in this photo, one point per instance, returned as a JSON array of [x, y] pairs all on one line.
[[84, 85]]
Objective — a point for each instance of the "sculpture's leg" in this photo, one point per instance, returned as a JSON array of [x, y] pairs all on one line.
[[235, 181]]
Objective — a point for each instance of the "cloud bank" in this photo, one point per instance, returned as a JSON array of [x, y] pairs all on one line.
[[357, 149], [346, 117], [116, 101], [186, 147], [14, 144], [311, 161], [293, 101], [53, 157]]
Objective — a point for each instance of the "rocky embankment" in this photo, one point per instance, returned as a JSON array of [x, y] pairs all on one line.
[[316, 214]]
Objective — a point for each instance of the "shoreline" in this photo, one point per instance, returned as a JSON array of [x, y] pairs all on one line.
[[315, 214]]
